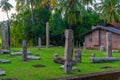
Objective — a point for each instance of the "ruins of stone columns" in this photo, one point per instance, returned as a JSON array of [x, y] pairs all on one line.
[[109, 44], [47, 34], [78, 56], [24, 55], [39, 43], [68, 51]]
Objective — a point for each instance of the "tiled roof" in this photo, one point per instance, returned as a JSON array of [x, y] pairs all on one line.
[[110, 29], [115, 25]]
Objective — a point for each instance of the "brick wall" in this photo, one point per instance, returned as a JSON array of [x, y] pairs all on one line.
[[96, 38]]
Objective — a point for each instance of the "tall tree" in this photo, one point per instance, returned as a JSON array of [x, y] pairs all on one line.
[[51, 3], [6, 6], [109, 10], [73, 11], [21, 5]]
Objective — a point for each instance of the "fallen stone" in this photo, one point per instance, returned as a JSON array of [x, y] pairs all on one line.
[[33, 58], [76, 69], [116, 51], [19, 53], [107, 59], [73, 68], [8, 79], [62, 66], [2, 72], [4, 61], [59, 60], [5, 51]]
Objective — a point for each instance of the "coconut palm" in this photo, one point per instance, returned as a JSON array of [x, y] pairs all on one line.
[[109, 10], [21, 5], [88, 2], [73, 11], [52, 3], [6, 6]]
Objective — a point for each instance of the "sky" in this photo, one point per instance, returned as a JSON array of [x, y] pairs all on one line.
[[3, 15]]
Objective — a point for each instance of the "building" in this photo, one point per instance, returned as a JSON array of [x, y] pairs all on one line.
[[96, 37]]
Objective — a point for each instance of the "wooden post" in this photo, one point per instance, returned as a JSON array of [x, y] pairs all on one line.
[[68, 51], [24, 55], [47, 35], [109, 44], [39, 43]]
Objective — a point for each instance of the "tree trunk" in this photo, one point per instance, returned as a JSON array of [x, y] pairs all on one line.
[[7, 15], [32, 14]]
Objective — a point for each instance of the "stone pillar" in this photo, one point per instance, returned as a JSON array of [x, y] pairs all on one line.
[[102, 48], [78, 56], [8, 35], [24, 55], [109, 44], [47, 35], [68, 51], [84, 45], [3, 36], [39, 43], [92, 57]]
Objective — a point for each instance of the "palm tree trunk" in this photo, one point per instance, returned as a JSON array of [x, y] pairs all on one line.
[[32, 14], [7, 15]]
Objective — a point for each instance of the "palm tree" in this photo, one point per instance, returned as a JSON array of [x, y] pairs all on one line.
[[51, 3], [6, 6], [88, 2], [109, 10], [21, 5], [73, 11]]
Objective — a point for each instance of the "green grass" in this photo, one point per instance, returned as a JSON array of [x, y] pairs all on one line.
[[25, 71]]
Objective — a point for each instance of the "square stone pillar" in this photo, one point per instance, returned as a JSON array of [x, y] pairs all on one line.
[[24, 54], [109, 44], [47, 35], [68, 51]]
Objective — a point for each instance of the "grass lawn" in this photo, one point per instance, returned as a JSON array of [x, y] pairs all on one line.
[[25, 70]]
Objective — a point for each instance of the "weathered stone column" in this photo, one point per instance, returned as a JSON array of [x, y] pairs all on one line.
[[24, 55], [3, 36], [84, 45], [8, 35], [78, 56], [39, 43], [68, 51], [92, 57], [47, 35], [109, 44]]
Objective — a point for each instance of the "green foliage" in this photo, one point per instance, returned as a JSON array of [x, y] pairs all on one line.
[[90, 19], [31, 19], [5, 5], [73, 11], [57, 28], [109, 10], [22, 26]]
